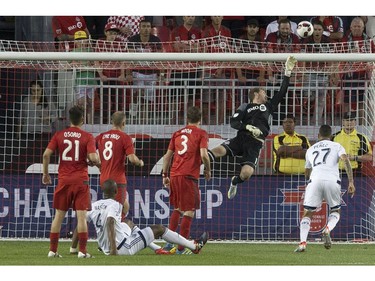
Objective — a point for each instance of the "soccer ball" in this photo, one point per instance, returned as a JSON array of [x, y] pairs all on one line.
[[305, 29]]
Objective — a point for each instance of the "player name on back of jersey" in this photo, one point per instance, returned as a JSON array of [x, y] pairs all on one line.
[[72, 135], [320, 145], [186, 130], [111, 136]]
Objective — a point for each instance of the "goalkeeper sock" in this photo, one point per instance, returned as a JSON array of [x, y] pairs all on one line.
[[333, 219], [175, 238], [304, 228], [237, 180]]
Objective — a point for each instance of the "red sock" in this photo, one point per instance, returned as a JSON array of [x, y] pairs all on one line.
[[185, 228], [174, 220], [53, 241], [82, 240]]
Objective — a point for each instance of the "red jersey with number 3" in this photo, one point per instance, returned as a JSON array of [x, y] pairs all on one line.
[[113, 146], [186, 144], [73, 145]]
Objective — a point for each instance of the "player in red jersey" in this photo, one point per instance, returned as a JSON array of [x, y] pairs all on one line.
[[114, 146], [189, 148], [75, 146], [64, 28]]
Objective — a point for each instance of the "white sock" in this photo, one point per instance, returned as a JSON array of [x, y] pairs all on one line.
[[333, 219], [175, 238], [304, 228], [152, 245]]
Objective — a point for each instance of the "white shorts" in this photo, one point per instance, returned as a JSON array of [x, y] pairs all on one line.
[[317, 190], [136, 242]]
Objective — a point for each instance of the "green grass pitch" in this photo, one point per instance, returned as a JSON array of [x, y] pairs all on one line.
[[23, 253]]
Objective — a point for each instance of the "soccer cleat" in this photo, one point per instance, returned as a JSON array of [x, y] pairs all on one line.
[[185, 251], [54, 255], [84, 256], [73, 251], [232, 190], [301, 247], [161, 251], [200, 242], [326, 236], [168, 247]]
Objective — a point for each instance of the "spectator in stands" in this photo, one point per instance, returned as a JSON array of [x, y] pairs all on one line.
[[185, 39], [355, 82], [64, 28], [144, 79], [216, 97], [357, 145], [370, 26], [129, 25], [289, 149], [254, 44], [188, 149], [38, 113], [96, 26], [282, 41], [119, 238], [111, 78], [333, 27], [316, 83], [75, 148], [274, 26], [85, 80], [235, 24]]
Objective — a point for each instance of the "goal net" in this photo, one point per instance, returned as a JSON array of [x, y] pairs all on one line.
[[154, 86]]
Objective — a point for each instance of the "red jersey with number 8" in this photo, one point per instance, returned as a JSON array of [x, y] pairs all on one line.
[[113, 146], [73, 145]]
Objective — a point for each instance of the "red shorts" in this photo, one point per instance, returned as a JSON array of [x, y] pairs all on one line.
[[76, 196], [121, 193], [184, 193]]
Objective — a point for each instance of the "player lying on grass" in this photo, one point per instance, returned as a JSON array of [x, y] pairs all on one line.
[[120, 238]]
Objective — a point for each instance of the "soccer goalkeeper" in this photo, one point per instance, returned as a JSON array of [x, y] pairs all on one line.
[[251, 120]]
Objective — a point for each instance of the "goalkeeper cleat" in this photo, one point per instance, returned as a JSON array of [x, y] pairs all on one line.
[[84, 256], [185, 251], [161, 251], [232, 189], [200, 242], [327, 239], [54, 255], [301, 247]]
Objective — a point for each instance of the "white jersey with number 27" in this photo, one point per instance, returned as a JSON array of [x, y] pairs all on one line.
[[323, 157]]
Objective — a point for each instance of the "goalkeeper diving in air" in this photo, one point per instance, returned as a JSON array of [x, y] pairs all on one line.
[[252, 122]]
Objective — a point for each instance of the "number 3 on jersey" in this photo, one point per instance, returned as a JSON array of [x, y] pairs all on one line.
[[184, 140]]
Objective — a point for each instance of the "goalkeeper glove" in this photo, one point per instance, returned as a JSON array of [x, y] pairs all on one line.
[[254, 130], [289, 65]]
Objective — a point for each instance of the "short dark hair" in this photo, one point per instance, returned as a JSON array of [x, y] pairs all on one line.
[[76, 114], [290, 116], [318, 22], [194, 114], [109, 188], [325, 131], [117, 118]]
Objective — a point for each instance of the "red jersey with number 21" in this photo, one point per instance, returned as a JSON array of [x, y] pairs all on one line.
[[113, 146], [186, 144], [73, 145]]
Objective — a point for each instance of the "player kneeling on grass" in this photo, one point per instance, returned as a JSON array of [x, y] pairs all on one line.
[[323, 176], [120, 238]]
